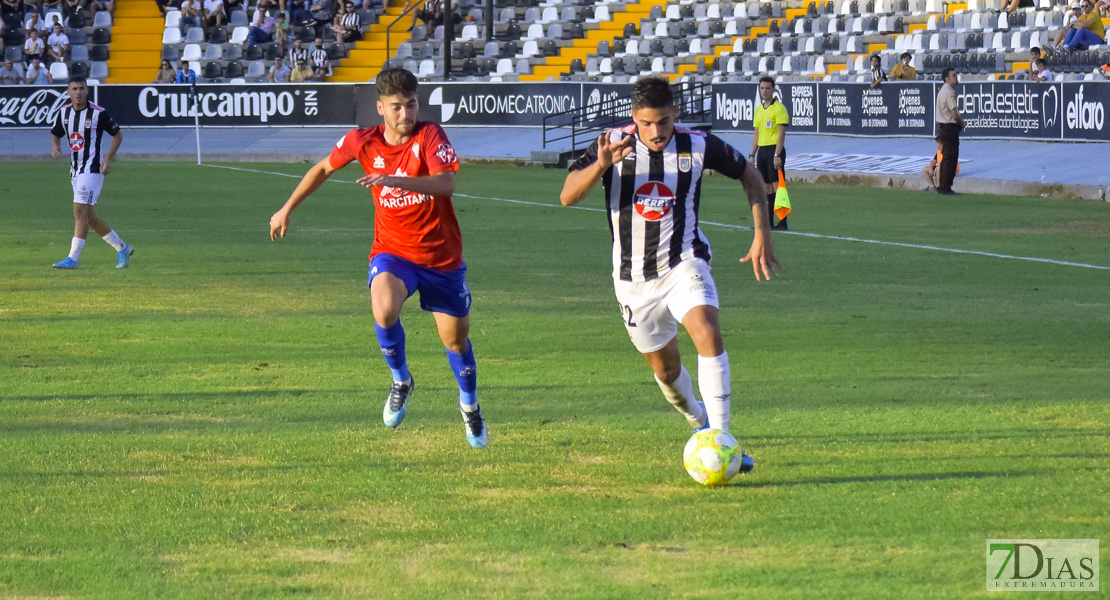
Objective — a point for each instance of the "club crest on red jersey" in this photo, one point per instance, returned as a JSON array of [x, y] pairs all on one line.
[[76, 142], [446, 154], [654, 200]]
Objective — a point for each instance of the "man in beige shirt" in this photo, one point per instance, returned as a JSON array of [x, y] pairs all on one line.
[[949, 126]]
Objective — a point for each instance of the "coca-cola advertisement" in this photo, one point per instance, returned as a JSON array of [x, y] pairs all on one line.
[[30, 106]]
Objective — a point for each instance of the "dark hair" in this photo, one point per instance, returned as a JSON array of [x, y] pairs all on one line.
[[77, 79], [768, 79], [652, 92], [1035, 49], [906, 55], [392, 82], [874, 56], [1039, 61], [945, 73]]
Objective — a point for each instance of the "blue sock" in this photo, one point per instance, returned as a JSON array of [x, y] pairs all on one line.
[[466, 373], [392, 342]]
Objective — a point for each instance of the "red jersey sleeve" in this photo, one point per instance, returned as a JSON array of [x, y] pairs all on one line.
[[441, 154], [345, 150]]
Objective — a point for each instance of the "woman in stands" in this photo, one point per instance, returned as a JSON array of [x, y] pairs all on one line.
[[166, 74]]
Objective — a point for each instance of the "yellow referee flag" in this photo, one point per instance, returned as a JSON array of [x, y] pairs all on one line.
[[782, 198]]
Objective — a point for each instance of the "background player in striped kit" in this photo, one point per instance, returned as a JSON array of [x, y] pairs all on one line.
[[83, 125], [651, 171]]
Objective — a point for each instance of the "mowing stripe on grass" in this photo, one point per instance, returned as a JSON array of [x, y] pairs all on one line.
[[746, 228]]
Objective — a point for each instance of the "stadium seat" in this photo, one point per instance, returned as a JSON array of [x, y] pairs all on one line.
[[255, 70], [171, 53], [102, 19], [218, 35], [59, 71], [214, 52], [239, 35], [98, 70], [253, 52], [79, 53], [173, 19], [171, 36], [77, 20], [195, 35], [238, 18], [233, 52], [80, 69], [234, 69], [192, 52], [98, 53], [101, 36]]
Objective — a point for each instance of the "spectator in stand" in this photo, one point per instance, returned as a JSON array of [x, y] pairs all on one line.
[[262, 28], [904, 71], [231, 6], [878, 75], [1085, 31], [57, 45], [318, 60], [1016, 4], [71, 6], [432, 14], [191, 15], [32, 6], [10, 75], [297, 52], [279, 73], [3, 32], [96, 6], [280, 34], [1069, 18], [166, 73], [301, 73], [38, 74], [186, 74], [1034, 56], [322, 11], [298, 11], [1040, 71], [350, 26], [11, 13], [214, 13], [36, 23], [51, 5], [33, 48]]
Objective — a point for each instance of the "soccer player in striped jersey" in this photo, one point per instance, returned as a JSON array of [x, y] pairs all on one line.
[[410, 169], [83, 125], [651, 172]]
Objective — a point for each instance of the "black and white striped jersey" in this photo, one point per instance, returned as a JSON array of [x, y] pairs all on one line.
[[83, 130], [653, 199]]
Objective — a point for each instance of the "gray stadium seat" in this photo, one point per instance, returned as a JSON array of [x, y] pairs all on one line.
[[98, 70]]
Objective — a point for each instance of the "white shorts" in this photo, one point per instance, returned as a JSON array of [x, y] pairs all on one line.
[[652, 310], [86, 188]]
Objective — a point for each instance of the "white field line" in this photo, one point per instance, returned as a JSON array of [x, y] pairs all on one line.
[[746, 228]]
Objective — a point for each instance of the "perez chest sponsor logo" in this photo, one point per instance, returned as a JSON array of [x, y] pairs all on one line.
[[653, 200]]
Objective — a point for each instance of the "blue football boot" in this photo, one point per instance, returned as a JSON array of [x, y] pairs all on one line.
[[123, 257], [476, 432], [394, 411], [66, 263]]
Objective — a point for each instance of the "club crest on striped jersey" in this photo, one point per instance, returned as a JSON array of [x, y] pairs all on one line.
[[76, 142], [654, 200], [684, 163]]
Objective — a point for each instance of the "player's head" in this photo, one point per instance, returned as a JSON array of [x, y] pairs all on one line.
[[767, 88], [906, 58], [77, 88], [397, 102], [876, 61], [654, 111]]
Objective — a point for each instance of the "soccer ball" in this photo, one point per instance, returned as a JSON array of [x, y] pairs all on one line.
[[712, 457]]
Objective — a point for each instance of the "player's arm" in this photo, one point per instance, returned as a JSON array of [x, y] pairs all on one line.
[[106, 162], [780, 146], [761, 254], [316, 176], [55, 145], [440, 184], [598, 159]]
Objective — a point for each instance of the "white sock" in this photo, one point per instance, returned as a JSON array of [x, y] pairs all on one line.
[[113, 240], [714, 380], [75, 248], [680, 393]]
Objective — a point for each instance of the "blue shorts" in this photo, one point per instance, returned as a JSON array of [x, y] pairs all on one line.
[[440, 291]]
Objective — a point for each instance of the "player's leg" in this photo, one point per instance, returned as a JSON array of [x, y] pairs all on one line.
[[447, 297], [927, 173], [653, 331], [388, 292], [765, 163], [83, 199]]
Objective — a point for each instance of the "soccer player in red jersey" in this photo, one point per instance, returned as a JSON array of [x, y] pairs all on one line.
[[410, 169]]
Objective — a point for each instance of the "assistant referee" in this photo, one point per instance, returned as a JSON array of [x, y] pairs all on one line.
[[768, 149]]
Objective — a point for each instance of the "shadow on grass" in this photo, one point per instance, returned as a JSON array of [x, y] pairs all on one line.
[[907, 478]]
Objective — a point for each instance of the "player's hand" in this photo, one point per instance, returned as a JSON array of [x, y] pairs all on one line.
[[374, 179], [609, 154], [762, 257], [279, 224], [105, 166], [55, 152]]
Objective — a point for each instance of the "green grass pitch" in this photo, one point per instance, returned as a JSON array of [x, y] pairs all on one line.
[[207, 423]]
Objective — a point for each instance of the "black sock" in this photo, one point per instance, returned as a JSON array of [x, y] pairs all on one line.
[[771, 209]]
